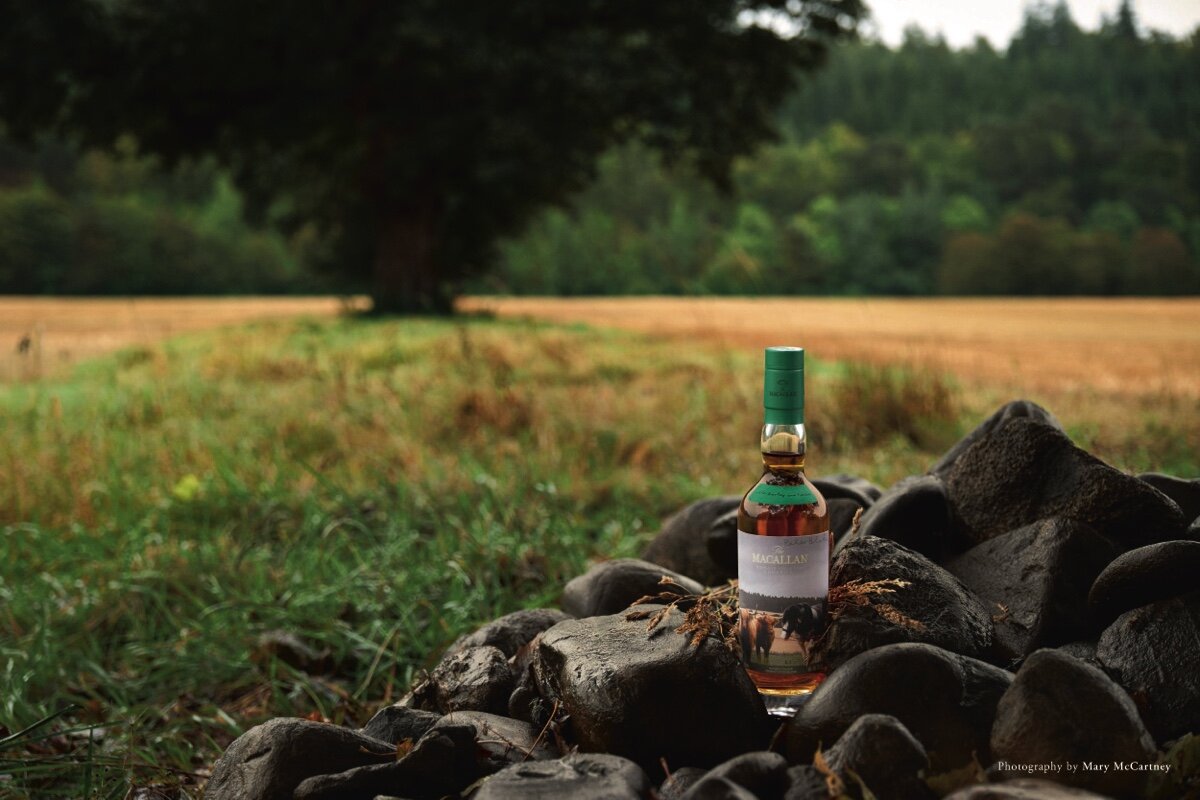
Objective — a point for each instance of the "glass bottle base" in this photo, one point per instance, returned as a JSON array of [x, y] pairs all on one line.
[[783, 695]]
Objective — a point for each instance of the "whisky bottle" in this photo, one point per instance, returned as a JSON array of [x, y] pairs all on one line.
[[784, 545]]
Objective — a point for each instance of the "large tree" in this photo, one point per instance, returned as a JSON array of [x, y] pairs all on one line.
[[412, 133]]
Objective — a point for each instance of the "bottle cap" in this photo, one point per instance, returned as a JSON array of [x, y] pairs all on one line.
[[783, 386]]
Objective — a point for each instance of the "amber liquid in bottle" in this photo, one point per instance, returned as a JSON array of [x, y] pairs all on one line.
[[783, 465]]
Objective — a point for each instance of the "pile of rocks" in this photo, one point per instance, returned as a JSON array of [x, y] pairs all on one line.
[[1057, 655]]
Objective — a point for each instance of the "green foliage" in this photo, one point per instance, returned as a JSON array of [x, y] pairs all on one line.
[[750, 256], [1059, 166], [121, 224], [413, 135], [1056, 167], [35, 240]]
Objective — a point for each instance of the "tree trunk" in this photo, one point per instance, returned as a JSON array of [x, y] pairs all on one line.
[[407, 277]]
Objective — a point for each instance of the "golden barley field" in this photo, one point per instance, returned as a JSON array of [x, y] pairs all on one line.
[[40, 336], [1117, 348]]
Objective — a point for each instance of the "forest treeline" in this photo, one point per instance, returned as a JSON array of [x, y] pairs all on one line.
[[1067, 163]]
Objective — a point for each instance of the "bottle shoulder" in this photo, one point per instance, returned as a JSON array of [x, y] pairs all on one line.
[[781, 504]]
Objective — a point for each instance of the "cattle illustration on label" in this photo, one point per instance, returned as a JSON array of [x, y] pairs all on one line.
[[783, 585]]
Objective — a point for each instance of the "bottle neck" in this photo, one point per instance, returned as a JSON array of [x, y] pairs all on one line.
[[783, 446]]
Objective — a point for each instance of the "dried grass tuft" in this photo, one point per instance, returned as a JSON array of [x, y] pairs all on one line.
[[869, 594]]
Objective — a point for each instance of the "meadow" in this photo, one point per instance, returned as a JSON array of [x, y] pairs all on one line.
[[378, 487]]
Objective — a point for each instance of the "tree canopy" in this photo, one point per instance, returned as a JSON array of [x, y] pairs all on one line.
[[1067, 163], [412, 135]]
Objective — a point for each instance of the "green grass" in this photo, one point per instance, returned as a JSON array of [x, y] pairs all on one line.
[[376, 487]]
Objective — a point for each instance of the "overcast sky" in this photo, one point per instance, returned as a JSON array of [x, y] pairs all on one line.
[[960, 20]]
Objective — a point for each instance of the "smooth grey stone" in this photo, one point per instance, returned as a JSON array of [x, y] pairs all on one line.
[[950, 616], [721, 542], [714, 787], [394, 724], [1144, 575], [511, 632], [270, 760], [762, 773], [947, 701], [682, 543], [1185, 493], [1024, 789], [848, 487], [1082, 650], [1154, 652], [612, 586], [1026, 470], [500, 741], [914, 513], [586, 776], [679, 781], [473, 679], [806, 783], [1015, 409], [650, 695], [1034, 581], [1059, 710], [884, 755], [442, 762]]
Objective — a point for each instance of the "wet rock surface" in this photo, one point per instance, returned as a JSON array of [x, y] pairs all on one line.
[[721, 542], [679, 781], [763, 774], [1154, 652], [442, 762], [270, 760], [510, 633], [947, 615], [1035, 582], [499, 741], [612, 586], [648, 697], [1085, 651], [947, 701], [806, 783], [1060, 710], [713, 787], [848, 487], [1012, 410], [473, 679], [914, 513], [1026, 470], [1145, 575], [884, 755], [395, 724], [1024, 789], [682, 543], [1185, 493], [588, 776]]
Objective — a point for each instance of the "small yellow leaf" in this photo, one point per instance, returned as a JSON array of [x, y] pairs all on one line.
[[186, 488]]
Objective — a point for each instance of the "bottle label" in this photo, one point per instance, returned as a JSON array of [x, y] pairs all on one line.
[[777, 495], [783, 589]]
